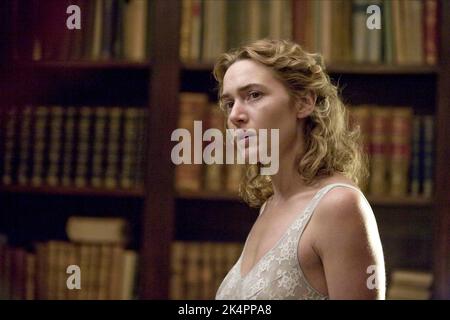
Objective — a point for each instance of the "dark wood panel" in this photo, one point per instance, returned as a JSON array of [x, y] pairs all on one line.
[[214, 220], [87, 64], [363, 69], [92, 192], [27, 218], [77, 86], [158, 216], [442, 173]]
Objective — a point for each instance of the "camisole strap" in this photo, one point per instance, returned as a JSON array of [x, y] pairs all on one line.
[[307, 214]]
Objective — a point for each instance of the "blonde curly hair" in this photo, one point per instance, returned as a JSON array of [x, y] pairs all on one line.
[[330, 144]]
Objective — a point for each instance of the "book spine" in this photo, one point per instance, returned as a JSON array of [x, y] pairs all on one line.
[[185, 30], [111, 178], [30, 276], [428, 160], [430, 32], [23, 173], [107, 28], [104, 271], [54, 153], [177, 291], [39, 146], [128, 155], [400, 151], [98, 30], [93, 269], [73, 258], [51, 262], [359, 30], [360, 116], [69, 147], [192, 108], [116, 273], [7, 272], [207, 289], [214, 174], [99, 142], [140, 149], [415, 165], [9, 145], [193, 256], [17, 274], [388, 38], [84, 137], [60, 270], [379, 151], [135, 34], [374, 41], [42, 271], [88, 29]]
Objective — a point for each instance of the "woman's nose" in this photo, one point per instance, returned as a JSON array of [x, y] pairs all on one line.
[[238, 115]]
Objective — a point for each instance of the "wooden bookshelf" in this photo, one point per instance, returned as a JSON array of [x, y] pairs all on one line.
[[208, 196], [168, 215], [356, 69], [75, 191], [373, 200], [90, 65]]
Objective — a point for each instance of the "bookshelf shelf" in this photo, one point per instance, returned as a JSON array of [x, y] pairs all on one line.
[[362, 69], [167, 215], [400, 201], [382, 69], [74, 191], [373, 200], [208, 196], [102, 65]]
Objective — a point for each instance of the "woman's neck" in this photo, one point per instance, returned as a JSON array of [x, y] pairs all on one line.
[[287, 181]]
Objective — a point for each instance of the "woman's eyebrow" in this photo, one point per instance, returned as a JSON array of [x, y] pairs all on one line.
[[243, 88]]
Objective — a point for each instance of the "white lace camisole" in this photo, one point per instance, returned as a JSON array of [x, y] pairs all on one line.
[[277, 275]]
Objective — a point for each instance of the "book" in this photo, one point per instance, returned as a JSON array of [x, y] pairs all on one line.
[[407, 284], [400, 150], [98, 230]]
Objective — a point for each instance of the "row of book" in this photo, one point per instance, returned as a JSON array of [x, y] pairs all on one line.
[[198, 268], [209, 28], [93, 265], [104, 147], [403, 32], [406, 284], [108, 29], [400, 147], [72, 146], [206, 177]]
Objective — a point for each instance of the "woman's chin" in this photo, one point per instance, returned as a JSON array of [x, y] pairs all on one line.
[[250, 154]]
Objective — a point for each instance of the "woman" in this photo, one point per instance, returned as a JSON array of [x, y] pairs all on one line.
[[316, 236]]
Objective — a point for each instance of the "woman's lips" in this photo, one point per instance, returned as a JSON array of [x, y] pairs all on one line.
[[245, 134]]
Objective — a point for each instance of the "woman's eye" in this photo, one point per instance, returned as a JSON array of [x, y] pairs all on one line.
[[255, 94], [228, 105]]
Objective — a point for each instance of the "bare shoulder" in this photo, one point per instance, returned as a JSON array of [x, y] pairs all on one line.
[[348, 243], [345, 209]]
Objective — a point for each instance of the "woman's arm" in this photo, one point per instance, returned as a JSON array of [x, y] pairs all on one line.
[[349, 246]]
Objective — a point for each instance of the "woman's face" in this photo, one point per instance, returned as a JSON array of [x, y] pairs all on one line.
[[255, 99]]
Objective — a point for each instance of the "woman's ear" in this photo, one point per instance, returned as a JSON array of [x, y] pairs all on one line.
[[305, 104]]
